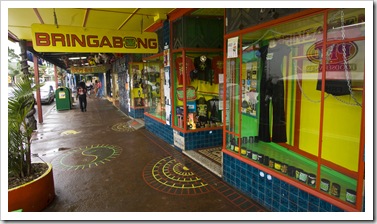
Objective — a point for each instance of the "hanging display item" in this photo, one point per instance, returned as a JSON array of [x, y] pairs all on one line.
[[214, 110], [203, 69], [250, 59], [217, 67], [190, 93], [179, 68], [202, 111], [272, 89]]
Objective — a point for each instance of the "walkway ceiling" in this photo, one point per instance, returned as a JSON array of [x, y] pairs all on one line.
[[124, 19]]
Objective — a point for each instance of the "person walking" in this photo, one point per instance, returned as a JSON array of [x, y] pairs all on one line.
[[89, 87], [81, 93], [99, 89]]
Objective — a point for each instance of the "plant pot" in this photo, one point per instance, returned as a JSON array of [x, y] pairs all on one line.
[[33, 196]]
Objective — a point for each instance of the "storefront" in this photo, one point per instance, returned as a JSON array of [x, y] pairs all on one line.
[[186, 73], [121, 77], [291, 141]]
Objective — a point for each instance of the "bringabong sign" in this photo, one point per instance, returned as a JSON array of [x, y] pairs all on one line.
[[50, 38]]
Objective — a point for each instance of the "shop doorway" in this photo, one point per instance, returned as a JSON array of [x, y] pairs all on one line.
[[211, 158]]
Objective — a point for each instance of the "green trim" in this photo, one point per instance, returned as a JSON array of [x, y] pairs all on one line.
[[290, 142], [326, 172]]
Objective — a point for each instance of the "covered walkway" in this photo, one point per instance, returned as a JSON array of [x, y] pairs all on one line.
[[102, 164]]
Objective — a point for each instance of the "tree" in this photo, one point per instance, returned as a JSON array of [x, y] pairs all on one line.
[[20, 130], [14, 66], [21, 121]]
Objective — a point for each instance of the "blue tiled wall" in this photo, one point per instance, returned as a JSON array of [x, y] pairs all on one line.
[[163, 131], [202, 139], [274, 194], [136, 113]]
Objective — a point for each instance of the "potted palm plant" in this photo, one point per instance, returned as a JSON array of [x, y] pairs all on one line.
[[30, 185]]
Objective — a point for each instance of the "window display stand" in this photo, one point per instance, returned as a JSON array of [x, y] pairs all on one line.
[[155, 82], [152, 84], [136, 92], [196, 85]]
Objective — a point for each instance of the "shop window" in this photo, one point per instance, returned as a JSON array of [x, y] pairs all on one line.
[[151, 86], [198, 81], [281, 116], [135, 80]]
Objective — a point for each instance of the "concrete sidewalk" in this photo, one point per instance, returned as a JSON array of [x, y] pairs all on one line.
[[101, 164]]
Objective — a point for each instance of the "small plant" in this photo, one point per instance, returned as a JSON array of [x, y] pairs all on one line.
[[20, 129]]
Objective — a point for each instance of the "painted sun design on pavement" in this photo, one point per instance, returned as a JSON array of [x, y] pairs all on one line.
[[122, 127], [172, 177], [70, 132], [86, 157]]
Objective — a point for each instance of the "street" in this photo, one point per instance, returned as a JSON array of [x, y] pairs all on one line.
[[45, 109]]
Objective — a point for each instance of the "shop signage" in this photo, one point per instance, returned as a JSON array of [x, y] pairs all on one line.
[[335, 55], [91, 69], [50, 38]]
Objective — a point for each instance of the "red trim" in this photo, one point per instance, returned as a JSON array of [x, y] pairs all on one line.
[[178, 13], [153, 57], [185, 115], [240, 94], [299, 151], [38, 92], [360, 179], [294, 16], [333, 200], [322, 103], [345, 40], [171, 76], [350, 173]]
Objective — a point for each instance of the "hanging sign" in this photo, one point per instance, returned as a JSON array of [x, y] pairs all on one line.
[[50, 38], [89, 69], [233, 47]]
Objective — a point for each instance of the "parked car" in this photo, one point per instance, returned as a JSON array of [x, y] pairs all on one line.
[[50, 83], [47, 94]]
